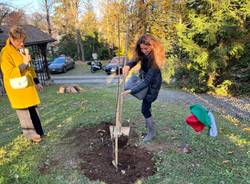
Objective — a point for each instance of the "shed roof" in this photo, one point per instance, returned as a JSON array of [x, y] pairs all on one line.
[[34, 35]]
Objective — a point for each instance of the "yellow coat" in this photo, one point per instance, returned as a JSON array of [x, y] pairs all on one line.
[[10, 59]]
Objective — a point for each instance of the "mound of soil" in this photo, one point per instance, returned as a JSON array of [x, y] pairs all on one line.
[[92, 152]]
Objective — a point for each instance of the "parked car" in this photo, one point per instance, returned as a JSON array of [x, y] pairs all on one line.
[[61, 64], [49, 62], [115, 65], [38, 65]]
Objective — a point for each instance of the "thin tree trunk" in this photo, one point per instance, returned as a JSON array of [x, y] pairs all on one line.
[[142, 14], [74, 6], [81, 45], [78, 46], [80, 51], [48, 22], [2, 17]]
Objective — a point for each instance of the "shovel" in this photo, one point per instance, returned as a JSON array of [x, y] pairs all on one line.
[[117, 130]]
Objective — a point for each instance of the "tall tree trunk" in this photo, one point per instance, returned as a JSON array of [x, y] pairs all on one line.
[[48, 22], [142, 14], [74, 8], [81, 48], [79, 45]]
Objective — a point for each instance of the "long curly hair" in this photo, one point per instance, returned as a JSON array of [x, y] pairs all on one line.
[[157, 54]]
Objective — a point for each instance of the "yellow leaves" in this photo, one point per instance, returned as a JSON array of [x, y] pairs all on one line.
[[239, 141], [189, 66], [246, 129], [89, 23], [231, 119], [237, 50], [113, 12], [202, 58], [211, 78], [181, 28], [66, 15], [3, 152], [222, 89], [200, 23], [14, 149]]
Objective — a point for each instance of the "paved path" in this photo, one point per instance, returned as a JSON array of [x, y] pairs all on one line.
[[85, 79]]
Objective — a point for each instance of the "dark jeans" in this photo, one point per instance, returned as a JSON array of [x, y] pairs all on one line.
[[36, 120], [146, 109], [131, 83]]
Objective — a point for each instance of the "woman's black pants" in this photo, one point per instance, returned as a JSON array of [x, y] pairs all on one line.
[[146, 109], [36, 120]]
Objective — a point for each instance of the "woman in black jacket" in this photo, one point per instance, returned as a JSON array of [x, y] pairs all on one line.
[[150, 53]]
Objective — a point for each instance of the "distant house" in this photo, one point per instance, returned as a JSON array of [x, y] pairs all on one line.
[[36, 40]]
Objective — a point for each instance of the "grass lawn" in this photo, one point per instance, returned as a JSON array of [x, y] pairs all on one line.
[[224, 159]]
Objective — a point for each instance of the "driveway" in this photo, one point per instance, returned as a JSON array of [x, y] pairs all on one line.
[[85, 79]]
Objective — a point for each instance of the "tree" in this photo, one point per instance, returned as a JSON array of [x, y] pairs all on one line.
[[213, 41], [112, 23], [47, 4], [10, 15], [4, 11], [15, 17], [67, 18], [37, 19], [88, 22], [67, 46], [89, 29]]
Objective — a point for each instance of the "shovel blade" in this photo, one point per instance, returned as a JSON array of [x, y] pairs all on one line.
[[118, 131]]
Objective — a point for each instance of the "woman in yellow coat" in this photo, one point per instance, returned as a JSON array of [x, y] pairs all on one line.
[[14, 64]]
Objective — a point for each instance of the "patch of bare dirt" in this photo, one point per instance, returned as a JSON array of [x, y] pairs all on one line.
[[90, 150]]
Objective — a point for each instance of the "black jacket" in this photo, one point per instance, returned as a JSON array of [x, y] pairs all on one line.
[[151, 78]]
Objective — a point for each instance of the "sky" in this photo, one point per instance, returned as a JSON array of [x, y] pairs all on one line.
[[31, 6]]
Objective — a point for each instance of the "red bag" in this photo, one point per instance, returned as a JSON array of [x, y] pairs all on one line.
[[194, 123]]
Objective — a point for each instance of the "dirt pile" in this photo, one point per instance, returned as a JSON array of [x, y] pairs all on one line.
[[91, 152]]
